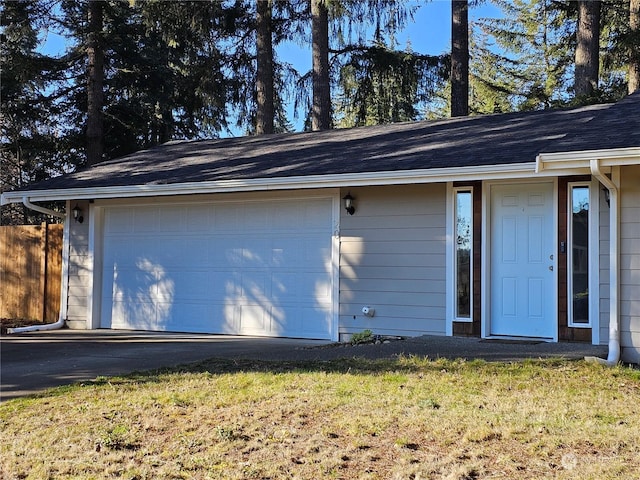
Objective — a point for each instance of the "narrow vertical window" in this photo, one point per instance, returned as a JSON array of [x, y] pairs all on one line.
[[578, 261], [463, 236]]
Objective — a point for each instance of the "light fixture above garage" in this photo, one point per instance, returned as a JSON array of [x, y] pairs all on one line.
[[348, 203], [77, 214]]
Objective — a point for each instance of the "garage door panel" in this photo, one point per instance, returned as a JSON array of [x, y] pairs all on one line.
[[196, 218], [255, 287], [285, 286], [314, 322], [191, 317], [188, 285], [254, 320], [139, 316], [146, 220], [254, 251], [118, 220], [230, 268], [286, 252], [174, 219], [226, 218]]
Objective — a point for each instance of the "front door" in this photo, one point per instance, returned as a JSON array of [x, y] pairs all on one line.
[[523, 285]]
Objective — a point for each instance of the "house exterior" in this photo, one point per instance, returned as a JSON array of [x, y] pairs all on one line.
[[523, 225]]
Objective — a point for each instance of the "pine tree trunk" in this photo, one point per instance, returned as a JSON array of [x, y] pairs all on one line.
[[634, 50], [95, 74], [459, 58], [264, 73], [587, 58], [321, 109]]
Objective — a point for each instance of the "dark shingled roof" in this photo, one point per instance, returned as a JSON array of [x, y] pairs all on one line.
[[457, 142]]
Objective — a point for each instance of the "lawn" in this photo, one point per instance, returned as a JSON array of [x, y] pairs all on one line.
[[410, 418]]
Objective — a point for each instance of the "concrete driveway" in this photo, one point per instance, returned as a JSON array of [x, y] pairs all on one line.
[[31, 362]]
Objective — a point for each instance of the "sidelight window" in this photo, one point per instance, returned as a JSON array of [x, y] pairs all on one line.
[[578, 255], [463, 255]]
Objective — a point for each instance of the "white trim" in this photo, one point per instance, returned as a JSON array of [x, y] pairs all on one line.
[[64, 284], [335, 266], [570, 161], [485, 290], [94, 289], [449, 275], [400, 177], [590, 256], [594, 260], [546, 164], [554, 242]]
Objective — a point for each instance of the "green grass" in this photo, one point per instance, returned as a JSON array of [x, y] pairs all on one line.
[[406, 419]]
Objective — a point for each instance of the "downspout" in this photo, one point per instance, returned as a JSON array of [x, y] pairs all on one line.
[[60, 322], [614, 285]]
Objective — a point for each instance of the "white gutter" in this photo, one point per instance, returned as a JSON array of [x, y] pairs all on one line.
[[60, 322], [399, 177], [614, 284], [38, 208]]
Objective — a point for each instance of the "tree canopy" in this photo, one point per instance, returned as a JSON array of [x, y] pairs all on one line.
[[134, 73]]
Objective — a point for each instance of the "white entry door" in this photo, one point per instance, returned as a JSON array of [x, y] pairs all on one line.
[[523, 285]]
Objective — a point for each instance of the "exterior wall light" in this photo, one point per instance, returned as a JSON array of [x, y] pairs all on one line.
[[348, 204], [77, 214]]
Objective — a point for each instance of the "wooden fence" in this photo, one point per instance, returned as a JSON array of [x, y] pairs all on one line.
[[30, 271]]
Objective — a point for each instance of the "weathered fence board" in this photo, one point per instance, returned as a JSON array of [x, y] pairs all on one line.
[[30, 271]]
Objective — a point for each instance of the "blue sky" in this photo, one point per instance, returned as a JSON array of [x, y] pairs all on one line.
[[429, 33]]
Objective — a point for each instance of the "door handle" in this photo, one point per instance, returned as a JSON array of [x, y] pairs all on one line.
[[551, 267]]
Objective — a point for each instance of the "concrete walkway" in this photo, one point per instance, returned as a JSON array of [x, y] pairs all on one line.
[[31, 362]]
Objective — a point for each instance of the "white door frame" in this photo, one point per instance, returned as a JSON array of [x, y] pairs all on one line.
[[486, 251]]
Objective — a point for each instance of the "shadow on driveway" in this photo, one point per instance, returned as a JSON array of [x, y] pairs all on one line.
[[31, 362]]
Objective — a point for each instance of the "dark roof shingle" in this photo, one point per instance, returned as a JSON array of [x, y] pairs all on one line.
[[458, 142]]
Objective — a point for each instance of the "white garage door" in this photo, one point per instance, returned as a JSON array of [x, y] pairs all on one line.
[[248, 268]]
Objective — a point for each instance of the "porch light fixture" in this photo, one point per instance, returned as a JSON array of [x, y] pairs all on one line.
[[348, 204], [77, 214]]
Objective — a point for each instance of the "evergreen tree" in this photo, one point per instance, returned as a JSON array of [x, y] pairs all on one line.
[[523, 61], [634, 46], [321, 109], [32, 140], [264, 69], [95, 77], [378, 85], [587, 53], [375, 82], [459, 58]]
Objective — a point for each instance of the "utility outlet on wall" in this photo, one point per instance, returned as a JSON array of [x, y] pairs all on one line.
[[368, 311]]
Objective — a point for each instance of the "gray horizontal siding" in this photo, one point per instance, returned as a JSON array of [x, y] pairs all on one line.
[[392, 258], [604, 290], [630, 263], [80, 271]]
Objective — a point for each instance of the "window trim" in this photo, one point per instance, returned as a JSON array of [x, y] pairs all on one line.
[[592, 246], [454, 257]]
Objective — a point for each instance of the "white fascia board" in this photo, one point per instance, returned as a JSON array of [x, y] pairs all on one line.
[[580, 160], [400, 177]]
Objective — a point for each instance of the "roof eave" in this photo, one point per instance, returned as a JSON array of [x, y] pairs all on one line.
[[399, 177], [575, 162]]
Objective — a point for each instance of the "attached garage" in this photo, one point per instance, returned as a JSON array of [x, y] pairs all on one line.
[[250, 235], [234, 267]]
